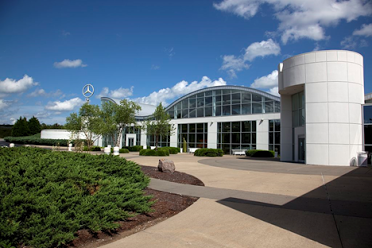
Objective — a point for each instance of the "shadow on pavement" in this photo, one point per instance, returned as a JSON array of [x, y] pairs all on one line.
[[338, 214]]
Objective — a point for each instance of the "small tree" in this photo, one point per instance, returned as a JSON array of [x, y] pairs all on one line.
[[34, 125], [115, 117], [20, 128], [159, 124], [86, 121]]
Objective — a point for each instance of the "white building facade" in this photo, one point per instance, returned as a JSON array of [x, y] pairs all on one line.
[[321, 107]]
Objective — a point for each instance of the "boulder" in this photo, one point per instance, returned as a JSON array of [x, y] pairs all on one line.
[[166, 165]]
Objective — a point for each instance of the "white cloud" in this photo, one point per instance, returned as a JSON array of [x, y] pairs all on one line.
[[116, 94], [266, 82], [274, 91], [261, 49], [3, 104], [69, 63], [232, 64], [349, 42], [65, 33], [67, 105], [41, 92], [178, 90], [301, 18], [365, 30], [10, 86], [155, 67]]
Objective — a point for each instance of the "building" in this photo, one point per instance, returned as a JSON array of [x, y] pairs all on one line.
[[317, 120]]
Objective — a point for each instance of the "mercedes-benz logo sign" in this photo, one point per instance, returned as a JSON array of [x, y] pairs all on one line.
[[88, 90]]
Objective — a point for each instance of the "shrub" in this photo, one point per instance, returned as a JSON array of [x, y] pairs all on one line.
[[36, 140], [260, 153], [208, 152], [46, 197], [93, 148], [123, 150], [172, 150], [159, 152]]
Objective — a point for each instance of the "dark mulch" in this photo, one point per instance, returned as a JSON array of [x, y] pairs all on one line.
[[166, 205]]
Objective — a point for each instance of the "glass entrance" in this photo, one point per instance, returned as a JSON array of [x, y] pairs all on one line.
[[130, 142], [301, 149]]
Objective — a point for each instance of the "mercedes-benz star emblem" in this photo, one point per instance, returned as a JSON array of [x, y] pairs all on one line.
[[88, 90]]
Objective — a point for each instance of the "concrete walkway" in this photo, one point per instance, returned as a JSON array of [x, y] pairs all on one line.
[[261, 203]]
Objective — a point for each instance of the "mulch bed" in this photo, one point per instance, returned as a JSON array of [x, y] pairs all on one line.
[[166, 205]]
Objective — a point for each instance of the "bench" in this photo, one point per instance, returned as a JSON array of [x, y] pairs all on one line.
[[238, 151], [192, 150]]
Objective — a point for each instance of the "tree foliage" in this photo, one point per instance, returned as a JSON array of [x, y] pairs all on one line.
[[20, 127], [34, 125], [159, 124]]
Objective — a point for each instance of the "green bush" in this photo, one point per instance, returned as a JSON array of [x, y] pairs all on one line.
[[260, 153], [123, 150], [36, 140], [133, 148], [159, 152], [172, 150], [46, 196], [208, 152], [93, 148]]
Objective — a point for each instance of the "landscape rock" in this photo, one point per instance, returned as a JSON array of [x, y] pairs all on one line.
[[166, 165]]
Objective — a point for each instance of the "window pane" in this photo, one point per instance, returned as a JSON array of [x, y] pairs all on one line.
[[277, 107], [184, 128], [226, 127], [179, 114], [253, 126], [246, 109], [226, 92], [246, 97], [277, 137], [219, 127], [225, 138], [246, 126], [218, 111], [217, 92], [218, 100], [271, 138], [208, 111], [192, 128], [246, 138], [192, 113], [226, 110], [271, 125], [226, 148], [253, 138], [367, 114], [192, 103], [256, 108], [269, 107], [200, 138], [205, 138], [235, 127], [185, 113], [185, 104], [295, 118], [226, 99], [199, 127], [235, 109], [235, 138], [171, 114], [235, 98], [256, 98], [208, 93], [200, 102], [295, 104], [200, 112], [200, 95], [208, 101], [302, 117], [277, 125]]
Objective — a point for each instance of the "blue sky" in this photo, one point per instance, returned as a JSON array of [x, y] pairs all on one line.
[[156, 51]]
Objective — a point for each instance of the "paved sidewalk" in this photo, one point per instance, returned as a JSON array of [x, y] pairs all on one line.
[[245, 205]]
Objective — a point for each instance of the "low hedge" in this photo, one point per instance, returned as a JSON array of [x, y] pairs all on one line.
[[133, 148], [172, 150], [159, 152], [46, 196], [38, 141], [260, 153], [93, 148], [123, 150], [208, 152]]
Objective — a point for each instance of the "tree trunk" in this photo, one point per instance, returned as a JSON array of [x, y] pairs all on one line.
[[119, 136], [156, 142]]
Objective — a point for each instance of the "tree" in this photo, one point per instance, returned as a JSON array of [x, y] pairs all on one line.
[[159, 124], [86, 121], [34, 125], [115, 117], [20, 128]]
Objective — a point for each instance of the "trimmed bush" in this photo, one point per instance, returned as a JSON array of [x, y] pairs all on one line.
[[208, 152], [159, 152], [36, 140], [46, 196], [260, 153], [123, 150], [93, 148], [172, 150]]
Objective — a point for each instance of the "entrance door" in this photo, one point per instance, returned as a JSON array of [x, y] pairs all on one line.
[[130, 142], [301, 149]]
